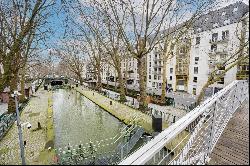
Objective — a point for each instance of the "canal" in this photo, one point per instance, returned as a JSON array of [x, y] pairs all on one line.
[[77, 120]]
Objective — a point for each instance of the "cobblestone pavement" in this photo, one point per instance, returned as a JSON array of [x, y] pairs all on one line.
[[35, 111]]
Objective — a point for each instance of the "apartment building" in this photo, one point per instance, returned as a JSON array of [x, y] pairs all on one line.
[[129, 70], [214, 37]]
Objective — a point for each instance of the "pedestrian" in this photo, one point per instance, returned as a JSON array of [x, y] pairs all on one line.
[[24, 143]]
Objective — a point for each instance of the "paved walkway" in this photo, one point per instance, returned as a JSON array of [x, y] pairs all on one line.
[[35, 111], [181, 98], [166, 109], [232, 147]]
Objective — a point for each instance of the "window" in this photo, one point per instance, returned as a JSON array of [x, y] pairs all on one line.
[[159, 77], [159, 69], [196, 58], [155, 77], [214, 37], [195, 79], [170, 78], [170, 85], [215, 25], [223, 13], [226, 22], [222, 68], [194, 91], [213, 47], [221, 81], [153, 85], [171, 70], [235, 9], [198, 40], [195, 70], [225, 34], [199, 29], [182, 50], [149, 64], [149, 77]]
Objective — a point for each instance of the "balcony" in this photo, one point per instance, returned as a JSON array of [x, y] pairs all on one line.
[[158, 59], [157, 73], [218, 51], [216, 41], [158, 65]]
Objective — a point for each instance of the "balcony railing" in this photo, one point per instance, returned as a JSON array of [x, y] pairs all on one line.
[[157, 73], [222, 40], [217, 51], [158, 65]]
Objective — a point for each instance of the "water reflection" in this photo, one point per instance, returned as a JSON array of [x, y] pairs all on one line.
[[78, 120]]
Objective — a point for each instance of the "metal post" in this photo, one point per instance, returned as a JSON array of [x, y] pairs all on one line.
[[19, 131]]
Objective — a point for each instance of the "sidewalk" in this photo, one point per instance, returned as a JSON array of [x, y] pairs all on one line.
[[166, 109], [181, 98], [35, 111]]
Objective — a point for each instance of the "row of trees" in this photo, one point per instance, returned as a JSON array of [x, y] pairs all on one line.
[[22, 31], [111, 30]]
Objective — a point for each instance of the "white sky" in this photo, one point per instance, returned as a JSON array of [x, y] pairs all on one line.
[[224, 3]]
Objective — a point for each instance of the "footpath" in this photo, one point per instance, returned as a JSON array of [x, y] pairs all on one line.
[[36, 111]]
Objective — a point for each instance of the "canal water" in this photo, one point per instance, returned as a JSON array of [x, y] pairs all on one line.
[[77, 120]]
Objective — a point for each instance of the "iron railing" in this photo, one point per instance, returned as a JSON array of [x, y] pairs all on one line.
[[205, 124]]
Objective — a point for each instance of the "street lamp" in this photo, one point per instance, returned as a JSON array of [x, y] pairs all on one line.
[[16, 93]]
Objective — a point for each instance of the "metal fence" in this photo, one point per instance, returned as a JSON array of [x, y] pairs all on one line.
[[205, 125], [92, 155], [7, 120]]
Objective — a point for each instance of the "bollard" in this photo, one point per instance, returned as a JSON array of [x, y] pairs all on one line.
[[110, 102]]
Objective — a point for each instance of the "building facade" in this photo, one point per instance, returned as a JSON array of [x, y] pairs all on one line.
[[213, 38]]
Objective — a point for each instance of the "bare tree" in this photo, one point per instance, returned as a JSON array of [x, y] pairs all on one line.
[[73, 57], [20, 21], [140, 24]]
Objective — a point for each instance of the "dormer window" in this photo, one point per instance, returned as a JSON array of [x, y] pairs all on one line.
[[235, 9], [223, 13], [215, 25], [226, 22]]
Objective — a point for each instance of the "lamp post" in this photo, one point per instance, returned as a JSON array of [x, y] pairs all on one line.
[[19, 129]]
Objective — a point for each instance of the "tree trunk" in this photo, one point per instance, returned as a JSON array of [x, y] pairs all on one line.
[[99, 80], [164, 82], [22, 97], [121, 86], [142, 84]]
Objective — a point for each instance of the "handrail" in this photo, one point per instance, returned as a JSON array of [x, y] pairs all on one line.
[[148, 151]]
